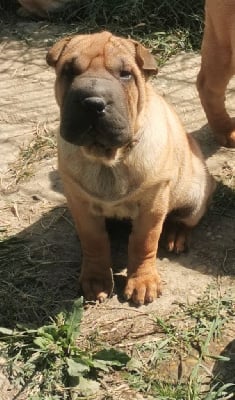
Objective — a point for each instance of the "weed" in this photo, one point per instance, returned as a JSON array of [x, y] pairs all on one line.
[[166, 27], [42, 146], [188, 333], [220, 392], [48, 362]]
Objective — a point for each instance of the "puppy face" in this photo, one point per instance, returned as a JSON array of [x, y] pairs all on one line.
[[100, 88]]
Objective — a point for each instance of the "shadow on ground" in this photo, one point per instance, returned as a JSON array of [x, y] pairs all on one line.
[[223, 370], [40, 265]]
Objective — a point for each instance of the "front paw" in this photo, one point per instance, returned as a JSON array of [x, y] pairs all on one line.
[[142, 288], [96, 285]]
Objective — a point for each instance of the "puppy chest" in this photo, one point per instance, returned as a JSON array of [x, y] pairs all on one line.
[[106, 185], [112, 192], [118, 210]]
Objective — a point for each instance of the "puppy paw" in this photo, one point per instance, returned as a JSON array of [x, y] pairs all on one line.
[[98, 286], [143, 288], [177, 237]]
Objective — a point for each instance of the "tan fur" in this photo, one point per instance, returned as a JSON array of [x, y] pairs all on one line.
[[40, 8], [162, 171], [217, 67]]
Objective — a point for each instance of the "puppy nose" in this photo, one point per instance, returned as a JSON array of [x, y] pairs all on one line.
[[94, 104]]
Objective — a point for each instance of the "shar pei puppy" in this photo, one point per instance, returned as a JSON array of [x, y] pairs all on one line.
[[123, 153]]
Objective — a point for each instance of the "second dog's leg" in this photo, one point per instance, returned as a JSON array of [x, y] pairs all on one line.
[[216, 71]]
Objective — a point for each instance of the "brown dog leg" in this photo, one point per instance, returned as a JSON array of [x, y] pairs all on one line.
[[212, 80], [143, 282], [96, 278]]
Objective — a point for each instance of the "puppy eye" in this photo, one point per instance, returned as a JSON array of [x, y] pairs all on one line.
[[68, 70], [125, 75], [71, 69]]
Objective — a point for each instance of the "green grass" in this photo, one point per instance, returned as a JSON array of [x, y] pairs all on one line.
[[191, 332], [166, 27], [144, 18], [50, 362]]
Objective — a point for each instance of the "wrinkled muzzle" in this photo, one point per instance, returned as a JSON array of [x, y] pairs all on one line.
[[95, 112]]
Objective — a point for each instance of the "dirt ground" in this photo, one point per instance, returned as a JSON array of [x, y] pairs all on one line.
[[35, 207]]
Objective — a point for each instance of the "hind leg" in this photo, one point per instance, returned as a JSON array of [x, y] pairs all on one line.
[[176, 236]]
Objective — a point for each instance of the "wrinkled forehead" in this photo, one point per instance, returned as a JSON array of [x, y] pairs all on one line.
[[101, 49]]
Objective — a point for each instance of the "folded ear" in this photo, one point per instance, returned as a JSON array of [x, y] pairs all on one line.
[[145, 59], [55, 51]]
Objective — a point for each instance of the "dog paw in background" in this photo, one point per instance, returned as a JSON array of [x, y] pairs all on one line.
[[40, 8]]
